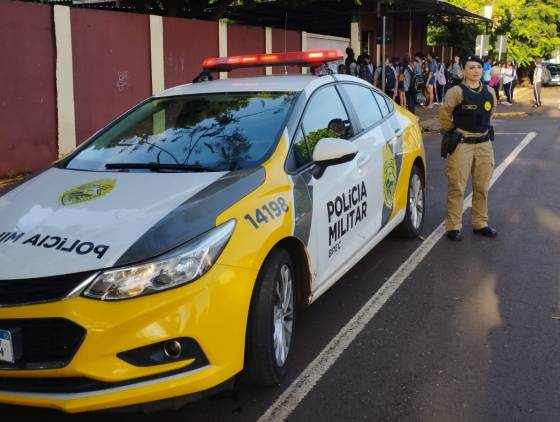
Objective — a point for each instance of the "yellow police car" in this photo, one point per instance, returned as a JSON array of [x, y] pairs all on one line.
[[170, 252]]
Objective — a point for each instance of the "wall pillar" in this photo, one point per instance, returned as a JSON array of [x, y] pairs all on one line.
[[355, 38], [268, 46], [222, 40], [303, 48], [156, 54], [64, 81]]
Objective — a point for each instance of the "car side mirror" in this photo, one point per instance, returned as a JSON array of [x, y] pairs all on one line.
[[330, 152]]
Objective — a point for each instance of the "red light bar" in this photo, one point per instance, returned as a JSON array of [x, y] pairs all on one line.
[[292, 58]]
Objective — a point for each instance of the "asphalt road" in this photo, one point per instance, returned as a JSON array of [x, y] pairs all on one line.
[[472, 333]]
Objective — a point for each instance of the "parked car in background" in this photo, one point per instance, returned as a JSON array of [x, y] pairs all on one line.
[[554, 69]]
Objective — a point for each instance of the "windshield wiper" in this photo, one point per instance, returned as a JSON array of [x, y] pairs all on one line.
[[158, 167]]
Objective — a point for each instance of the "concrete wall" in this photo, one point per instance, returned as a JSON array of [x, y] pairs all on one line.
[[111, 55], [243, 39], [186, 44], [28, 129], [285, 41], [67, 72], [71, 71]]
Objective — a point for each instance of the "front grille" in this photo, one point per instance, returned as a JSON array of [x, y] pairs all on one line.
[[45, 343], [33, 290]]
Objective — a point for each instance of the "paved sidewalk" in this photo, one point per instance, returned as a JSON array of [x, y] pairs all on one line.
[[522, 101], [4, 183]]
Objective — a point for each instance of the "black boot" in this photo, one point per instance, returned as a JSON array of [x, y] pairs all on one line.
[[486, 231], [455, 235]]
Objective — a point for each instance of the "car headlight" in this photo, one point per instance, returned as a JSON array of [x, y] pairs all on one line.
[[180, 266]]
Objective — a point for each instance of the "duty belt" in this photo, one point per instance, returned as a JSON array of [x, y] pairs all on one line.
[[473, 140]]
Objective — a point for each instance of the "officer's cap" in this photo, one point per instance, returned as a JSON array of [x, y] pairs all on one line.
[[472, 58]]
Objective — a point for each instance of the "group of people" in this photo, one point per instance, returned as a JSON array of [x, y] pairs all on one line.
[[424, 79], [468, 92]]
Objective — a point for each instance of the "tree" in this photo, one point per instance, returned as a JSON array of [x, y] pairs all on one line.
[[454, 32], [532, 27], [534, 31]]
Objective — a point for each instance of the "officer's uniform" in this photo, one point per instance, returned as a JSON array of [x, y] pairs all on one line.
[[468, 112]]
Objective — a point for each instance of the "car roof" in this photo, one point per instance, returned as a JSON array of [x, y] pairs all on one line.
[[288, 83]]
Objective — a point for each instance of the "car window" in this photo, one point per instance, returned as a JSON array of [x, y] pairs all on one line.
[[215, 131], [364, 104], [390, 104], [300, 152], [325, 117], [382, 103]]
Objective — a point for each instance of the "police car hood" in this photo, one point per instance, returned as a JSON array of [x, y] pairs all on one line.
[[66, 221]]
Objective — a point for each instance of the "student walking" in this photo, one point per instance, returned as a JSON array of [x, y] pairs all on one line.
[[391, 78], [401, 96], [537, 80], [456, 70], [496, 79], [364, 68], [441, 82], [409, 89], [350, 62], [508, 77], [431, 68]]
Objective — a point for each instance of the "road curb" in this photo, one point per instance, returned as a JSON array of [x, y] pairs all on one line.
[[511, 114]]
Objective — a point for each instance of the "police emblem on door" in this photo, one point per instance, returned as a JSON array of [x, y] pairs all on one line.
[[389, 177]]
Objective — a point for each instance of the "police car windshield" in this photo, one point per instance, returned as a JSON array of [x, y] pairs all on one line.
[[220, 132]]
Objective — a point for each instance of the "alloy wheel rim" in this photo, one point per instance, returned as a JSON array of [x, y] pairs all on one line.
[[416, 201], [283, 315]]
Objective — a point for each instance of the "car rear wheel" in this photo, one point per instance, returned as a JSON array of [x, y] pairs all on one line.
[[272, 317], [415, 206]]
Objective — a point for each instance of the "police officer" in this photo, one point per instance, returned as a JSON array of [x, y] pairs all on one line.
[[466, 112]]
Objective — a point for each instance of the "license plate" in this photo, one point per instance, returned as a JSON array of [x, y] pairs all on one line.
[[6, 347]]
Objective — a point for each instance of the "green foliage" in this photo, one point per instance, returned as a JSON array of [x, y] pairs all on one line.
[[453, 32], [534, 31], [532, 27], [314, 137]]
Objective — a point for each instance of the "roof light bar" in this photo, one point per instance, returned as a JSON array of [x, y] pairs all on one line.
[[292, 58]]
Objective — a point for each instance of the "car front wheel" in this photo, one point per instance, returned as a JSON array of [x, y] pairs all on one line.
[[271, 325], [415, 206]]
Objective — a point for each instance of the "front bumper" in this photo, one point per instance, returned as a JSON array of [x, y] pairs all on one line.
[[212, 311]]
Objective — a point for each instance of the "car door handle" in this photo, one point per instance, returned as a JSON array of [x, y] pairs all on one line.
[[398, 132], [362, 159]]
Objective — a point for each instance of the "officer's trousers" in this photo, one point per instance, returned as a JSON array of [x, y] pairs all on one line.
[[476, 160]]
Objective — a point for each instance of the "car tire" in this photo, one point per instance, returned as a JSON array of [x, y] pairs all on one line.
[[272, 320], [411, 227]]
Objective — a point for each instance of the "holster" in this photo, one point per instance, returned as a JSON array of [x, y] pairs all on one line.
[[455, 139], [491, 133], [449, 142]]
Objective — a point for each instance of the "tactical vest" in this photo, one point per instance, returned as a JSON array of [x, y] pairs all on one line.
[[473, 114]]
